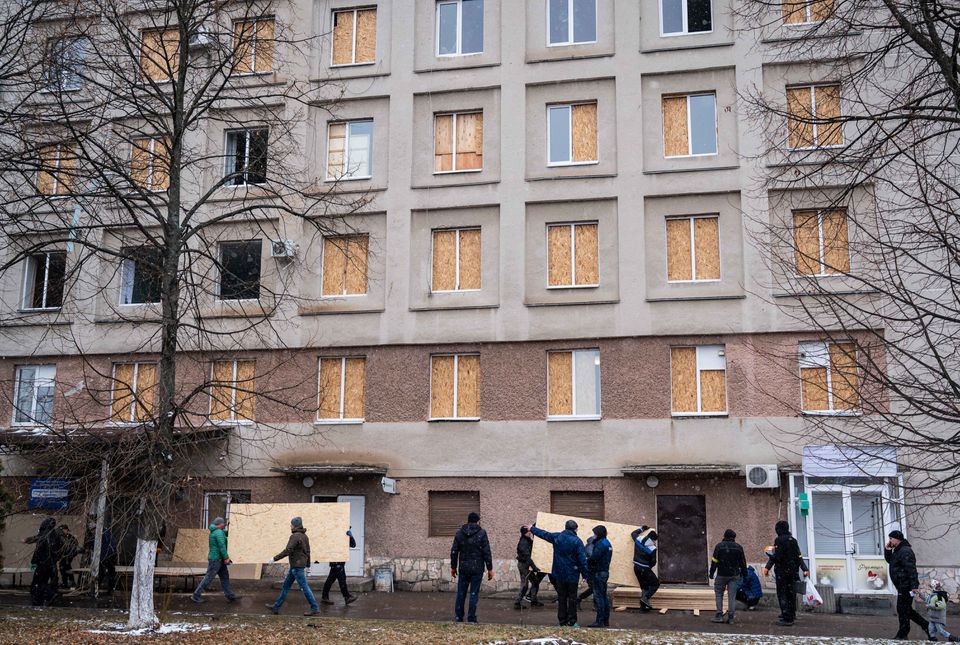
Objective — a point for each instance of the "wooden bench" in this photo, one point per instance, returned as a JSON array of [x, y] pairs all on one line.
[[15, 573]]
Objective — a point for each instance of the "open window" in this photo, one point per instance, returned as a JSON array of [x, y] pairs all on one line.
[[43, 280], [698, 378], [246, 157]]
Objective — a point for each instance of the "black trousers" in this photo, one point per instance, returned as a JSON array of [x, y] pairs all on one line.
[[586, 593], [787, 597], [530, 581], [66, 578], [108, 574], [566, 602], [649, 582], [337, 572], [43, 587], [906, 613]]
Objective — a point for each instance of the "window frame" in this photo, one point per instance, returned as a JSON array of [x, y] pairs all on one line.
[[571, 28], [686, 21], [726, 385], [51, 86], [353, 41], [228, 494], [574, 416], [831, 411], [124, 262], [39, 379], [456, 378], [254, 42], [152, 164], [569, 108], [145, 78], [456, 230], [134, 390], [821, 260], [346, 151], [231, 159], [459, 53], [234, 419], [62, 150], [31, 268], [323, 252], [573, 254], [453, 143], [716, 126], [456, 523], [814, 124], [693, 248], [341, 420], [220, 267], [807, 13]]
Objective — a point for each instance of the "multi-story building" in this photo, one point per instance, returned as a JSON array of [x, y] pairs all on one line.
[[554, 300]]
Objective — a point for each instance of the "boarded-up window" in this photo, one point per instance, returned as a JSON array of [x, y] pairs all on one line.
[[573, 255], [341, 388], [577, 503], [820, 242], [813, 116], [150, 163], [57, 169], [253, 42], [573, 383], [345, 265], [448, 510], [690, 125], [160, 53], [698, 380], [802, 11], [572, 133], [354, 36], [455, 386], [829, 377], [693, 248], [456, 260], [134, 392], [232, 395], [458, 142], [350, 150]]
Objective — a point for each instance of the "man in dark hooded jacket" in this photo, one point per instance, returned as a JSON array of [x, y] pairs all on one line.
[[43, 587], [903, 572], [530, 574], [729, 565], [298, 553], [786, 561], [644, 560], [599, 564], [469, 555], [569, 563]]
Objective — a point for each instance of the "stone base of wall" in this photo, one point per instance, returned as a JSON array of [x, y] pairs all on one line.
[[949, 576], [433, 574]]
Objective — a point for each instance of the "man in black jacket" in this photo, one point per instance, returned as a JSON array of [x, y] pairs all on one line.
[[530, 574], [468, 556], [903, 572], [644, 560], [43, 587], [338, 573], [729, 565], [786, 560]]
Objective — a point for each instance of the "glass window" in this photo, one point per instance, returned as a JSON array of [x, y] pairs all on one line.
[[44, 280], [350, 150], [246, 157], [65, 63], [34, 394], [703, 124], [573, 383], [679, 17], [459, 27], [140, 274], [240, 270], [571, 21], [559, 127], [218, 504]]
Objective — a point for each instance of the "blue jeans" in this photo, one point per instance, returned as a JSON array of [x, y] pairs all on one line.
[[600, 598], [215, 568], [300, 575], [472, 581]]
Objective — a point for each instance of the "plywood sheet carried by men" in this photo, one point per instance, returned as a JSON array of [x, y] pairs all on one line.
[[16, 554], [621, 567], [192, 547], [260, 531]]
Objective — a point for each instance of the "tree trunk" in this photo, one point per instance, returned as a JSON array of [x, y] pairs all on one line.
[[142, 614]]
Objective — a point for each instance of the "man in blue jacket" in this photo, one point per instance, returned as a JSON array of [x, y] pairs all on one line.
[[569, 563], [599, 563], [644, 560]]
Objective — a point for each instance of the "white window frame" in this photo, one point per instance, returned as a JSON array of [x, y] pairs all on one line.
[[569, 108], [456, 116], [570, 26], [813, 111], [721, 354], [807, 15], [458, 53], [341, 420], [821, 261], [574, 416], [808, 358], [573, 254], [53, 85], [716, 128], [62, 148], [686, 26], [214, 493], [255, 41], [693, 247], [456, 232], [353, 39], [233, 420], [346, 151], [45, 376], [134, 389], [153, 162], [456, 385], [231, 159], [30, 268]]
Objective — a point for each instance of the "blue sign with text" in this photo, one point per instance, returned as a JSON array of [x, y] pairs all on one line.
[[48, 493]]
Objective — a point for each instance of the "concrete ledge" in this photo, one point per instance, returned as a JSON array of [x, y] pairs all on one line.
[[865, 605]]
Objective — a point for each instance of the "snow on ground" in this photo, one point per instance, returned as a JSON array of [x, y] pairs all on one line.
[[691, 638], [166, 628]]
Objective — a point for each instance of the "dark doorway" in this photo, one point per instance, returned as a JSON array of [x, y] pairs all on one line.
[[682, 527]]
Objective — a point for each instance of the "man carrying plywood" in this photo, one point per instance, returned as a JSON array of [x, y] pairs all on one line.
[[644, 560], [569, 563], [217, 563], [298, 551]]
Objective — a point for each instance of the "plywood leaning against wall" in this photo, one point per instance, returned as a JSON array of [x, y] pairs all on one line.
[[621, 567], [260, 531], [16, 554]]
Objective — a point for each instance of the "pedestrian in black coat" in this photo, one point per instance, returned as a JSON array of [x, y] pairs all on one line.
[[46, 553], [786, 562], [903, 572], [530, 574], [338, 574], [729, 565], [469, 555]]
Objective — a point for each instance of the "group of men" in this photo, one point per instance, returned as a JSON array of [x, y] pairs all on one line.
[[55, 548]]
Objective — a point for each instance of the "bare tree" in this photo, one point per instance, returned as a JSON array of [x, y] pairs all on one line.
[[861, 103], [117, 184]]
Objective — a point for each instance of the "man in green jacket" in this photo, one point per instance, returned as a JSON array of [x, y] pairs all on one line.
[[217, 563], [298, 551]]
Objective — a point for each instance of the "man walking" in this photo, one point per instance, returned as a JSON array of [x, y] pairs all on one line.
[[729, 565], [903, 572], [469, 555], [569, 563], [338, 573], [298, 552], [530, 574], [43, 587], [786, 560], [217, 563], [644, 560], [69, 547], [599, 564]]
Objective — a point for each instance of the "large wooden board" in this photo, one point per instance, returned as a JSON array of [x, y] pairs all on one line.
[[192, 547], [260, 531], [16, 554], [621, 567]]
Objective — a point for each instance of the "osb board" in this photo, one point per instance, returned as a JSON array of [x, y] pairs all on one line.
[[560, 383], [260, 531], [621, 567], [16, 554], [683, 387], [192, 547]]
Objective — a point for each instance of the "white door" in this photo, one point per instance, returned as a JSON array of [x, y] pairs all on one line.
[[357, 504]]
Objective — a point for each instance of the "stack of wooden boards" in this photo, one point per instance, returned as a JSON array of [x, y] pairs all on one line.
[[686, 598]]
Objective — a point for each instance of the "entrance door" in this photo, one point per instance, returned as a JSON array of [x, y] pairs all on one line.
[[682, 527], [354, 566]]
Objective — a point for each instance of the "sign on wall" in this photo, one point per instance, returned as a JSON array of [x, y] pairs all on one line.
[[49, 493]]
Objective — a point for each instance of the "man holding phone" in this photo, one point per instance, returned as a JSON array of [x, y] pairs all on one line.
[[903, 572]]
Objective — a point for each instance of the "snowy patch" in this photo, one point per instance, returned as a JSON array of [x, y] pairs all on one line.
[[167, 628], [546, 640]]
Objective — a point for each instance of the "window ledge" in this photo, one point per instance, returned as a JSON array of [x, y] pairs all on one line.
[[699, 415], [553, 177], [693, 169], [555, 49], [572, 164], [556, 287], [451, 419], [656, 50], [738, 296], [333, 310], [455, 184], [445, 63], [231, 423], [453, 306], [34, 320], [586, 417], [831, 413], [338, 422], [611, 301]]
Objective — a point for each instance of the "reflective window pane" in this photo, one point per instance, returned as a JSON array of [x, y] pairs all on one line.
[[25, 385], [698, 16], [586, 367], [703, 124], [584, 21], [559, 22], [471, 37], [447, 36], [559, 127], [671, 12], [359, 149]]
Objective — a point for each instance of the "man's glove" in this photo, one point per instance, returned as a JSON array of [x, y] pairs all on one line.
[[33, 567], [453, 573], [490, 574], [228, 562], [766, 572], [350, 533], [806, 574]]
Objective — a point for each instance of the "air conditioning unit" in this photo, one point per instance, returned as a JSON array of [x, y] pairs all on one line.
[[283, 248], [200, 40], [763, 476]]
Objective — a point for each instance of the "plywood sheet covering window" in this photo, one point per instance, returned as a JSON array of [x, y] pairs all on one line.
[[698, 379], [345, 264], [455, 386], [814, 117], [58, 168], [134, 391], [713, 391], [829, 377], [844, 380], [836, 248], [706, 235], [679, 250], [253, 43], [443, 143], [444, 275], [571, 503], [800, 117], [456, 262], [458, 142], [800, 11], [244, 393], [468, 385], [828, 126], [693, 248], [815, 388], [676, 134], [150, 163], [821, 245], [448, 510], [560, 383], [222, 391], [336, 149], [123, 384], [160, 53], [470, 260], [354, 36], [806, 242], [586, 254], [442, 378], [559, 246], [573, 257], [342, 383], [584, 126], [683, 375]]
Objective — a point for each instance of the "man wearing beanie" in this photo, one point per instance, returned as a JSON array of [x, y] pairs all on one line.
[[530, 574], [217, 563], [298, 551], [644, 560], [729, 565], [569, 563], [786, 561], [468, 556], [903, 572]]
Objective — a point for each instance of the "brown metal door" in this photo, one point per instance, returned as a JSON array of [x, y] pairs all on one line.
[[682, 530]]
